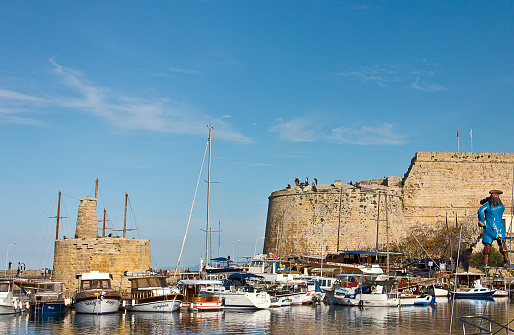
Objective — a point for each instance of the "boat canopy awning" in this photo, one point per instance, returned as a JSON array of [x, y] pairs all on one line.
[[199, 282], [243, 276], [220, 259], [369, 253]]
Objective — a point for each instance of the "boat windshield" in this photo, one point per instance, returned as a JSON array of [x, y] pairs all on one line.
[[96, 284], [148, 282]]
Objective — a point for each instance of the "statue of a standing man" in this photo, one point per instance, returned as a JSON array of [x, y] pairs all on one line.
[[490, 218]]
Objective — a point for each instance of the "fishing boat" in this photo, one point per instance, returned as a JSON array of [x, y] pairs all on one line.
[[342, 285], [8, 303], [48, 298], [95, 295], [152, 294], [195, 299]]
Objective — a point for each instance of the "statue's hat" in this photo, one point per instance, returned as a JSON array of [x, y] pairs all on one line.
[[495, 192]]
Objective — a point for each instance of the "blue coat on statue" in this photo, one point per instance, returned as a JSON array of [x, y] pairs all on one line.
[[492, 217]]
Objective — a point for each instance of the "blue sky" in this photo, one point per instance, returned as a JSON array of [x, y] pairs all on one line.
[[124, 91]]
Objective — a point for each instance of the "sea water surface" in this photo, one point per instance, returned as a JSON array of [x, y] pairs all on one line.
[[320, 319]]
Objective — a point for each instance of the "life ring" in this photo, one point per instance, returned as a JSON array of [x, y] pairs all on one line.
[[273, 256]]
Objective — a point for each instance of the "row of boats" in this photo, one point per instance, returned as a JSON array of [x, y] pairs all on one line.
[[150, 292]]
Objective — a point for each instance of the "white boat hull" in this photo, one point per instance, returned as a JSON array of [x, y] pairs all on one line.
[[412, 300], [280, 302], [246, 300], [206, 306], [97, 306], [9, 309], [166, 306], [368, 300], [439, 292]]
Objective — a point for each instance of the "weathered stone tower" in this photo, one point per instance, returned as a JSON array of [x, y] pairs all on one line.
[[438, 189], [88, 251], [87, 224], [347, 217]]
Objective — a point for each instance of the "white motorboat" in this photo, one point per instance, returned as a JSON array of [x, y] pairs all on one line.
[[373, 294], [477, 292], [8, 303], [96, 296], [239, 292]]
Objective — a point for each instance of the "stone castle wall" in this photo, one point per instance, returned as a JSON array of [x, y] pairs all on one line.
[[438, 188], [107, 254], [441, 186], [298, 218]]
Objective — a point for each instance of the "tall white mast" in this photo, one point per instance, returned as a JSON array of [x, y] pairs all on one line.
[[208, 198]]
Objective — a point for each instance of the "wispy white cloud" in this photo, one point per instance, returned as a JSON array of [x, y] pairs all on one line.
[[126, 112], [388, 74], [185, 71], [15, 108], [427, 87], [301, 129], [10, 95], [381, 134]]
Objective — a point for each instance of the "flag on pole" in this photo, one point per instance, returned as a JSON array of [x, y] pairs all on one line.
[[471, 136], [458, 144]]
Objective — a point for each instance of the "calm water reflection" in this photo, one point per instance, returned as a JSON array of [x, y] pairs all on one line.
[[291, 320]]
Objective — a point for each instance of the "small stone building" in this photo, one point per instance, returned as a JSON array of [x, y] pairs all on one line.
[[88, 252]]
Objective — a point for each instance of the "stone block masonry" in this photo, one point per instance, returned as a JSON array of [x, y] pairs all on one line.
[[439, 188], [448, 186], [87, 224], [343, 214]]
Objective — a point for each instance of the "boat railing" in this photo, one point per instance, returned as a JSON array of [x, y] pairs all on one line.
[[470, 321]]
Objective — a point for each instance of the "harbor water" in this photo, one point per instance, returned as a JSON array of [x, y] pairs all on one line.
[[320, 319]]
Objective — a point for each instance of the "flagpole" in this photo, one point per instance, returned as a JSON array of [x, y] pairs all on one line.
[[471, 135], [458, 143]]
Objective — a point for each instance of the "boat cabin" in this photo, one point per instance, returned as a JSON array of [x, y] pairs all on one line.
[[95, 280]]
